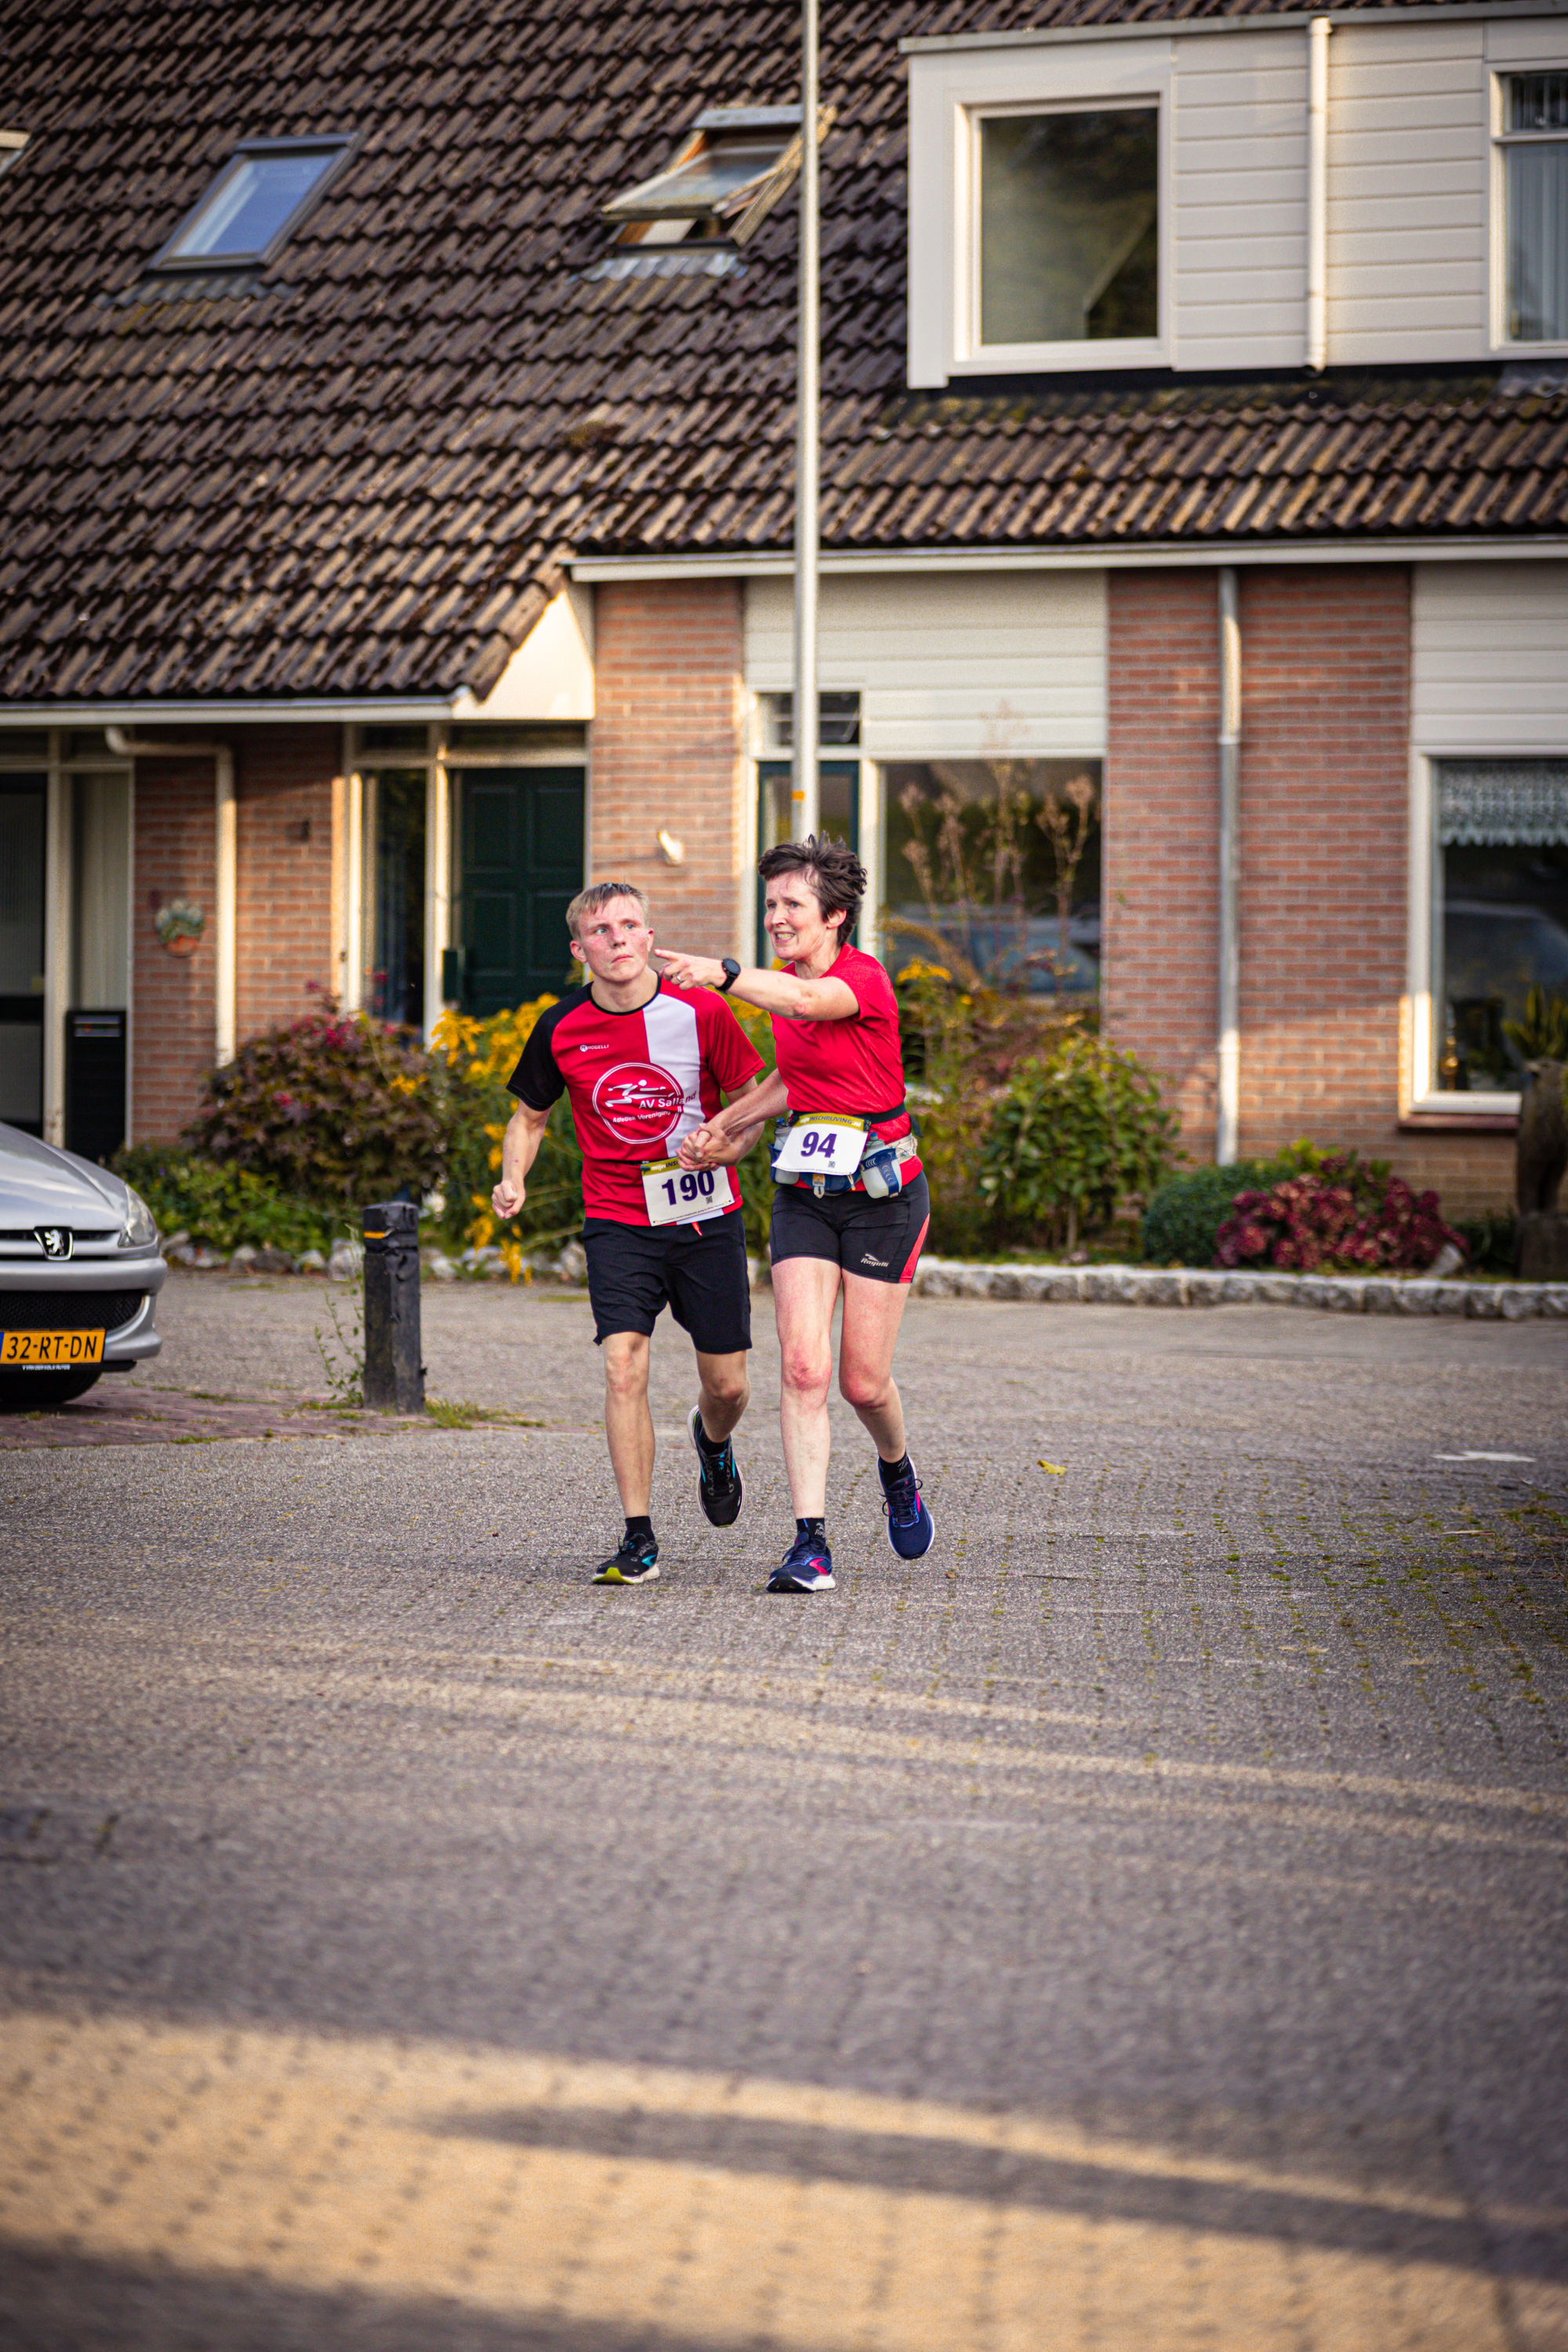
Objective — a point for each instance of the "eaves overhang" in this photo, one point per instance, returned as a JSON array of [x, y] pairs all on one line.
[[1084, 556]]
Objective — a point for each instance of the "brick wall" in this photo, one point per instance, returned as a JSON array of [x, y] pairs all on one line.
[[667, 748], [284, 787], [172, 1001], [1323, 905], [1161, 808], [283, 783]]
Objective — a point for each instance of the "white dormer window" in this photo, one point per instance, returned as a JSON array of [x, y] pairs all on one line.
[[1040, 207], [1532, 141], [1066, 226]]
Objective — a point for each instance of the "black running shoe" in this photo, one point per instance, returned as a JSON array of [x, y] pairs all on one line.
[[719, 1487], [911, 1531], [635, 1563], [806, 1567]]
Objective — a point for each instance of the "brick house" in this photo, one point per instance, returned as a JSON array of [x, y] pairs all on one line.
[[397, 461]]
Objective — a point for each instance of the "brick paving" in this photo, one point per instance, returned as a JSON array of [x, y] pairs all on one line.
[[1138, 1924]]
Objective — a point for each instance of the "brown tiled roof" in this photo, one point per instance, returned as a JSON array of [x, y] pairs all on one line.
[[359, 472]]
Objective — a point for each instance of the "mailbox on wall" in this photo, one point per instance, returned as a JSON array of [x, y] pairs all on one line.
[[95, 1083]]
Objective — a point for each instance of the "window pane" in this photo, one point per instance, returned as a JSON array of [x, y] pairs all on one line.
[[1000, 860], [22, 889], [397, 976], [1502, 830], [251, 202], [1538, 102], [1537, 241], [1069, 226]]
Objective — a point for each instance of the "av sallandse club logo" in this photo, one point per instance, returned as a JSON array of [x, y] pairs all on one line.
[[638, 1102]]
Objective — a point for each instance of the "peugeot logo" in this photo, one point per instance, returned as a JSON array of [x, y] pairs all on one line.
[[55, 1240]]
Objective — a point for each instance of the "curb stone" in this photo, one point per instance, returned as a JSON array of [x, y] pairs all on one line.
[[1334, 1294]]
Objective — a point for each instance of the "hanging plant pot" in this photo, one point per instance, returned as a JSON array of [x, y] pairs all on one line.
[[179, 926]]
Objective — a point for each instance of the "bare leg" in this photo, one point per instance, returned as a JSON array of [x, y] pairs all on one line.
[[803, 1292], [872, 1313], [628, 1424], [724, 1390]]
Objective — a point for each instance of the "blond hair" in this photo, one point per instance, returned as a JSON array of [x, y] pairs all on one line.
[[598, 895]]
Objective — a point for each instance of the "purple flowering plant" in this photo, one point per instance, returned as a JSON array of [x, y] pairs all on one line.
[[1342, 1215]]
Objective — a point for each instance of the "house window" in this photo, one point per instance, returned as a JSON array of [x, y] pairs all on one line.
[[1502, 912], [1068, 226], [1534, 144], [723, 179], [993, 864], [254, 204], [837, 721]]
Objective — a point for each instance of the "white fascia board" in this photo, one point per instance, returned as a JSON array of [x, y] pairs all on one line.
[[1158, 556], [551, 674], [358, 710], [1139, 28]]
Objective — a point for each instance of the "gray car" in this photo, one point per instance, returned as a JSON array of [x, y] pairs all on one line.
[[79, 1274]]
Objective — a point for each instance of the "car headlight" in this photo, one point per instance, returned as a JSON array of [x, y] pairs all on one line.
[[140, 1230]]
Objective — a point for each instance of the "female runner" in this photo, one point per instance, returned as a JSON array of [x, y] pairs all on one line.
[[836, 1032]]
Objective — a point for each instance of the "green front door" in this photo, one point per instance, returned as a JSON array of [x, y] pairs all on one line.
[[522, 840]]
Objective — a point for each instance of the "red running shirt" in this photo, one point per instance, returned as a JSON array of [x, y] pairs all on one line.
[[852, 1067], [639, 1082]]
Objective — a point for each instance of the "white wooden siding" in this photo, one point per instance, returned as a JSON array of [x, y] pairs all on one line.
[[1409, 141], [1488, 667], [1410, 184], [957, 667], [1240, 104]]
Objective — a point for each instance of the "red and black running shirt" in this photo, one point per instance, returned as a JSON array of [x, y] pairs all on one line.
[[639, 1082], [853, 1067]]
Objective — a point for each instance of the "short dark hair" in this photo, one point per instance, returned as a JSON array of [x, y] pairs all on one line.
[[831, 867]]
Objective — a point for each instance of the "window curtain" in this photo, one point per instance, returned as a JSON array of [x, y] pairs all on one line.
[[1502, 802]]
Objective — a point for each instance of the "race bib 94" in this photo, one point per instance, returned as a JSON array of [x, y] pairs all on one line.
[[821, 1145], [680, 1196]]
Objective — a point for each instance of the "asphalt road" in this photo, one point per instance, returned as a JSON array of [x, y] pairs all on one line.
[[1141, 1924]]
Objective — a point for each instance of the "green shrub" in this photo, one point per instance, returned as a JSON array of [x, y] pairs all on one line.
[[1491, 1241], [338, 1108], [1185, 1214], [220, 1206], [1080, 1129]]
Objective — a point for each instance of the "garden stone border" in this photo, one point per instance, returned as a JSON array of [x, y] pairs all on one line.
[[1148, 1286]]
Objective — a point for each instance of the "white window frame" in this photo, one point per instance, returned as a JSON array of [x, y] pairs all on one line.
[[1500, 142], [950, 93], [1424, 902]]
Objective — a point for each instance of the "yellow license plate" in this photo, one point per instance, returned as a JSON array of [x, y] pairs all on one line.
[[36, 1351]]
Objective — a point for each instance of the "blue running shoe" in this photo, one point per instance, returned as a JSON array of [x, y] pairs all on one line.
[[806, 1567], [911, 1531], [719, 1487]]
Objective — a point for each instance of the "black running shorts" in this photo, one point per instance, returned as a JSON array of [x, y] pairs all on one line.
[[698, 1271], [880, 1240]]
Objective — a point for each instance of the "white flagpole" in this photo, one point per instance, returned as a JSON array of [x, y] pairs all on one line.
[[804, 793]]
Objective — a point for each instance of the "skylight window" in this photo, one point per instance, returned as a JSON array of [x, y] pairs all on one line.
[[725, 177], [256, 203], [11, 145]]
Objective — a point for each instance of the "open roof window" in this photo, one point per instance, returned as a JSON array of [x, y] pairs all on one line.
[[256, 203], [724, 178], [11, 145]]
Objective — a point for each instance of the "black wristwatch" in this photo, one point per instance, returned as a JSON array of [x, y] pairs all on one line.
[[732, 974]]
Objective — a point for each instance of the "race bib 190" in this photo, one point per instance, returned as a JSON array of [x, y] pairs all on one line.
[[680, 1196], [821, 1145]]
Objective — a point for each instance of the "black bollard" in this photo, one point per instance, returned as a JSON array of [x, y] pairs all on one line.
[[394, 1374]]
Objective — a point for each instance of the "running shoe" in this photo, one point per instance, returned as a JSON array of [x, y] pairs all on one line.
[[911, 1531], [635, 1562], [719, 1487], [806, 1567]]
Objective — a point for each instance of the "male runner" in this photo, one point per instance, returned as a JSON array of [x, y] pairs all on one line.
[[643, 1068], [855, 1236]]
